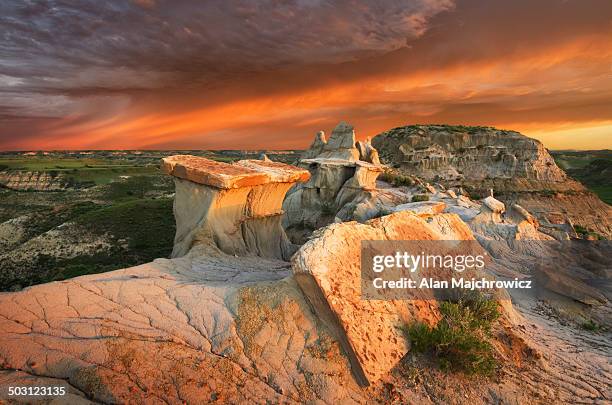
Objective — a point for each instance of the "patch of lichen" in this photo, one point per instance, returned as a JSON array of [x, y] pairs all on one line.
[[89, 380], [256, 307]]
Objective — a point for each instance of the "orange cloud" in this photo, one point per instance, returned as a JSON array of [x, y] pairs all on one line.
[[478, 65]]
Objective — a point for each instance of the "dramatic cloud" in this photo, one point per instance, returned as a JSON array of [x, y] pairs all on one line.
[[250, 74]]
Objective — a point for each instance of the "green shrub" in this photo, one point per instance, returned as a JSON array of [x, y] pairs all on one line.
[[584, 232], [420, 197], [396, 179], [460, 340], [581, 230], [591, 325]]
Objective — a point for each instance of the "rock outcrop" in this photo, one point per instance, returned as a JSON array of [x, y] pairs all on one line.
[[316, 148], [342, 184], [519, 169], [342, 146], [202, 328], [226, 320], [328, 270], [470, 154], [235, 207]]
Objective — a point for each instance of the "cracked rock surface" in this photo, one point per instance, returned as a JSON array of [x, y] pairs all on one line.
[[201, 328]]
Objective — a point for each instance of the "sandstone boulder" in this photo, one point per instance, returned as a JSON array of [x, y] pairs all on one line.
[[327, 269], [523, 214], [494, 205]]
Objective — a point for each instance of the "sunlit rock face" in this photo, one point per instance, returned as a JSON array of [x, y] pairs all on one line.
[[226, 320], [328, 270], [467, 153], [236, 207]]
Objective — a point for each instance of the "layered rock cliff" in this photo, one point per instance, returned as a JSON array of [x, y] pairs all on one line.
[[519, 170], [469, 154]]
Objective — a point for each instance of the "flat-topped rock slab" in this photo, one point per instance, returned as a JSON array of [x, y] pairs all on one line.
[[226, 176], [277, 172], [342, 162], [422, 207]]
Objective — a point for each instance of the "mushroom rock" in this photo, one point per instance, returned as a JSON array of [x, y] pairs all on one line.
[[234, 207]]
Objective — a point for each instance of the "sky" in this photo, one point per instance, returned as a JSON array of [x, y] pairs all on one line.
[[268, 74]]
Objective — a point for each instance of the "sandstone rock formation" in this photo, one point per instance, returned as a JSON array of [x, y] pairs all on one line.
[[519, 170], [316, 148], [342, 146], [422, 207], [202, 328], [234, 207], [342, 184], [367, 152], [328, 270], [468, 153]]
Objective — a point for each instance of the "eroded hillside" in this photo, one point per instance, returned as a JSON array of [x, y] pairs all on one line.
[[479, 159]]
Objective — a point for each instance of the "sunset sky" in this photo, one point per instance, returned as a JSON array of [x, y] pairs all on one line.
[[254, 74]]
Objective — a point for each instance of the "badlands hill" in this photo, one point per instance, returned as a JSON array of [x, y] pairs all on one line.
[[480, 159], [261, 300]]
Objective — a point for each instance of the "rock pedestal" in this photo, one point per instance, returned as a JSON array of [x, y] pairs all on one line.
[[235, 207]]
